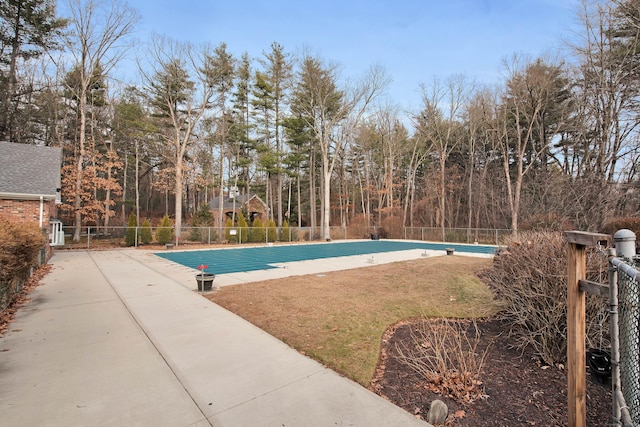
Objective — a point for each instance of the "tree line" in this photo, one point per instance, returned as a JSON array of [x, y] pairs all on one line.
[[553, 145]]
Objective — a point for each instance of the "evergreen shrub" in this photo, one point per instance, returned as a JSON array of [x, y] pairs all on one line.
[[131, 233], [164, 233], [257, 231], [146, 236]]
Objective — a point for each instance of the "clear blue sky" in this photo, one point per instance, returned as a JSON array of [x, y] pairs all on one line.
[[414, 40]]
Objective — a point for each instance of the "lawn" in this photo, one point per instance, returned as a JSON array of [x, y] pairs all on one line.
[[338, 318]]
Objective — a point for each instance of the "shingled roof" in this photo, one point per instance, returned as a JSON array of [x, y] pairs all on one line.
[[29, 171]]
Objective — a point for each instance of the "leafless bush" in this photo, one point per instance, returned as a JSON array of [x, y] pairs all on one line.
[[445, 352], [360, 227], [393, 226], [530, 279], [19, 247]]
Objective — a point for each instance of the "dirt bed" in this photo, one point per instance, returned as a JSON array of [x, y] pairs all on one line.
[[519, 391]]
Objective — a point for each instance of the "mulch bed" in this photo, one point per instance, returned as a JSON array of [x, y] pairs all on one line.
[[518, 389]]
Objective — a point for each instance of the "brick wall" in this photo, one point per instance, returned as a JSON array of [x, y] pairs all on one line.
[[26, 211], [256, 206]]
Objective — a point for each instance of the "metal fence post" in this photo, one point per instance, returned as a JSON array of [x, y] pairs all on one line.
[[625, 241], [614, 332]]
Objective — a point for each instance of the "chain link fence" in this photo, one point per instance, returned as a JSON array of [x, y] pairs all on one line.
[[629, 338], [96, 237]]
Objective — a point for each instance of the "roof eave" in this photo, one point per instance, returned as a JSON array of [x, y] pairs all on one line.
[[24, 196]]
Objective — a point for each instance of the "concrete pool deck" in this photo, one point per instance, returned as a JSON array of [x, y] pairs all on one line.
[[120, 337]]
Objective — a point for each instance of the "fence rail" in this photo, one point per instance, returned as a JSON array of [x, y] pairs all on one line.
[[91, 237]]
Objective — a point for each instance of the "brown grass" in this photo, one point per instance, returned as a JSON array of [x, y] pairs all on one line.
[[338, 318]]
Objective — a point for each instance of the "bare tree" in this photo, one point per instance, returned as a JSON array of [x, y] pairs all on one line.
[[441, 114], [180, 85], [333, 115], [482, 149], [97, 40], [608, 88], [533, 90]]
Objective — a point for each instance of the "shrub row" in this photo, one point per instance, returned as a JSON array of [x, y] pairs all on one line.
[[164, 234], [19, 247]]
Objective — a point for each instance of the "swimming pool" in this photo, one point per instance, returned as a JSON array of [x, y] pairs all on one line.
[[235, 260]]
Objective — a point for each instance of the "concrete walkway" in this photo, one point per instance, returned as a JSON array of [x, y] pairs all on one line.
[[120, 338]]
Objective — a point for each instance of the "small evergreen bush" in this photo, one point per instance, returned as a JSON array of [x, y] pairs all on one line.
[[286, 232], [164, 233], [202, 219], [130, 234], [145, 234], [272, 231], [257, 231], [243, 228]]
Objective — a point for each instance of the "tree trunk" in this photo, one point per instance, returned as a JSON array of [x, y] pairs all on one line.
[[137, 176], [312, 192], [442, 193], [80, 163], [178, 194], [326, 212]]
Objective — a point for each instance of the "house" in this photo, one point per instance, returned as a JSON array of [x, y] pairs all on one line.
[[250, 203], [30, 184]]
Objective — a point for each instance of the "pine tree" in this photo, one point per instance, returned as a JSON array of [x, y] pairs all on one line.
[[29, 29], [202, 219]]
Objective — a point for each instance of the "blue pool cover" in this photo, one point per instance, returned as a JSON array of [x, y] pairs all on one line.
[[221, 261]]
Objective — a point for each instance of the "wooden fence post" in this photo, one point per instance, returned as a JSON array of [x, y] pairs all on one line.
[[576, 326]]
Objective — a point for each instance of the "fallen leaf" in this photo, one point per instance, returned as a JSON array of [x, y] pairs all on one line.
[[459, 414]]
